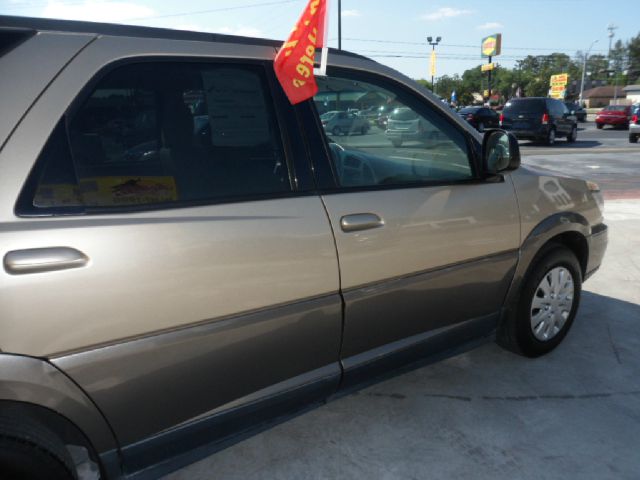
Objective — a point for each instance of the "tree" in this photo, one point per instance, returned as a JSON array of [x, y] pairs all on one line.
[[633, 59], [533, 72]]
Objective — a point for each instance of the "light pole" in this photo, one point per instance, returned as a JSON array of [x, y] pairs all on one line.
[[339, 25], [433, 52], [584, 67], [611, 27]]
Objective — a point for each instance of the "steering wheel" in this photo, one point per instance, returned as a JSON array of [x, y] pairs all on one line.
[[353, 170]]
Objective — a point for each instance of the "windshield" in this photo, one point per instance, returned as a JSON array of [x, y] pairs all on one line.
[[469, 110], [328, 115], [615, 108]]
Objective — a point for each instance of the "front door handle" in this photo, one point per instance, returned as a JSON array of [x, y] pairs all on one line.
[[36, 260], [360, 221]]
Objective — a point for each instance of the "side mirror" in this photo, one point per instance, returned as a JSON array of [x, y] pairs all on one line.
[[500, 152]]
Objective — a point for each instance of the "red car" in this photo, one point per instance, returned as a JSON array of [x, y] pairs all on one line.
[[616, 115]]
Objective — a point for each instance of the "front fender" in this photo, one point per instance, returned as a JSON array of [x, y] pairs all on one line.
[[37, 382], [549, 228]]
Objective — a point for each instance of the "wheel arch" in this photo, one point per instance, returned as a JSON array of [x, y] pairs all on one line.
[[569, 229], [36, 389]]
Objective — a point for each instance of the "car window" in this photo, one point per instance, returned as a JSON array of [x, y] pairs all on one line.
[[524, 107], [615, 108], [165, 133], [555, 107], [406, 142], [560, 108]]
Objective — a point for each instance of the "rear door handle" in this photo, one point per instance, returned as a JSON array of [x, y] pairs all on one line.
[[360, 221], [36, 260]]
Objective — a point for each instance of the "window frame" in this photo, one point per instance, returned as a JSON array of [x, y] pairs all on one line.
[[300, 180], [323, 166]]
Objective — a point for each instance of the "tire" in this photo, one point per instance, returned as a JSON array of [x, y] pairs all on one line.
[[337, 131], [633, 138], [363, 130], [396, 143], [31, 452], [573, 135], [481, 127], [599, 126], [541, 320], [551, 137]]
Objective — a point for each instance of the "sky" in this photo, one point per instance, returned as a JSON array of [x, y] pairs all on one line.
[[392, 32]]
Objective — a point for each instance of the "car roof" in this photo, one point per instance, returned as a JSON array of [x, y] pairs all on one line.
[[33, 24]]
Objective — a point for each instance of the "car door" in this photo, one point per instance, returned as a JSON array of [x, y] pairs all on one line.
[[191, 271], [424, 242]]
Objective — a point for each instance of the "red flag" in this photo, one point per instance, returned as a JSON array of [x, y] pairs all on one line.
[[294, 62]]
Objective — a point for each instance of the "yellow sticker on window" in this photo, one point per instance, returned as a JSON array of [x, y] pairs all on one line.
[[108, 192], [112, 191]]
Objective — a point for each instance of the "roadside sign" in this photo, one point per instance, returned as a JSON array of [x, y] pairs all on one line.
[[560, 79], [433, 63], [558, 85], [491, 45], [487, 66]]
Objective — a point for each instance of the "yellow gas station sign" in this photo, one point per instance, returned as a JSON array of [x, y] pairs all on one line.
[[491, 45]]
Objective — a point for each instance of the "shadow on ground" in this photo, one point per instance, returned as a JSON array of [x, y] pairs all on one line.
[[562, 143]]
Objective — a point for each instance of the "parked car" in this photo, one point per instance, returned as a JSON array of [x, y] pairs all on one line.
[[383, 115], [344, 123], [159, 306], [614, 115], [634, 124], [539, 119], [405, 125], [577, 110], [480, 117]]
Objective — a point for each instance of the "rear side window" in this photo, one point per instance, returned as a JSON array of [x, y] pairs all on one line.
[[161, 134], [524, 106], [615, 108], [556, 107]]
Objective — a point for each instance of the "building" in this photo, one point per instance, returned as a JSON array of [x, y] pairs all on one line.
[[603, 96], [633, 93]]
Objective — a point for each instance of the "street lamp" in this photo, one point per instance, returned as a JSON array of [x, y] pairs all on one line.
[[584, 67], [433, 48]]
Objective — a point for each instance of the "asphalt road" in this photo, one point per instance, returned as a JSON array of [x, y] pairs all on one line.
[[589, 138], [603, 156], [489, 414]]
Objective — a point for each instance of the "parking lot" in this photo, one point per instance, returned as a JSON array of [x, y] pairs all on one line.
[[487, 413]]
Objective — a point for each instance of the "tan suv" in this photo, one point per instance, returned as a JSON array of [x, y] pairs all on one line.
[[186, 256]]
